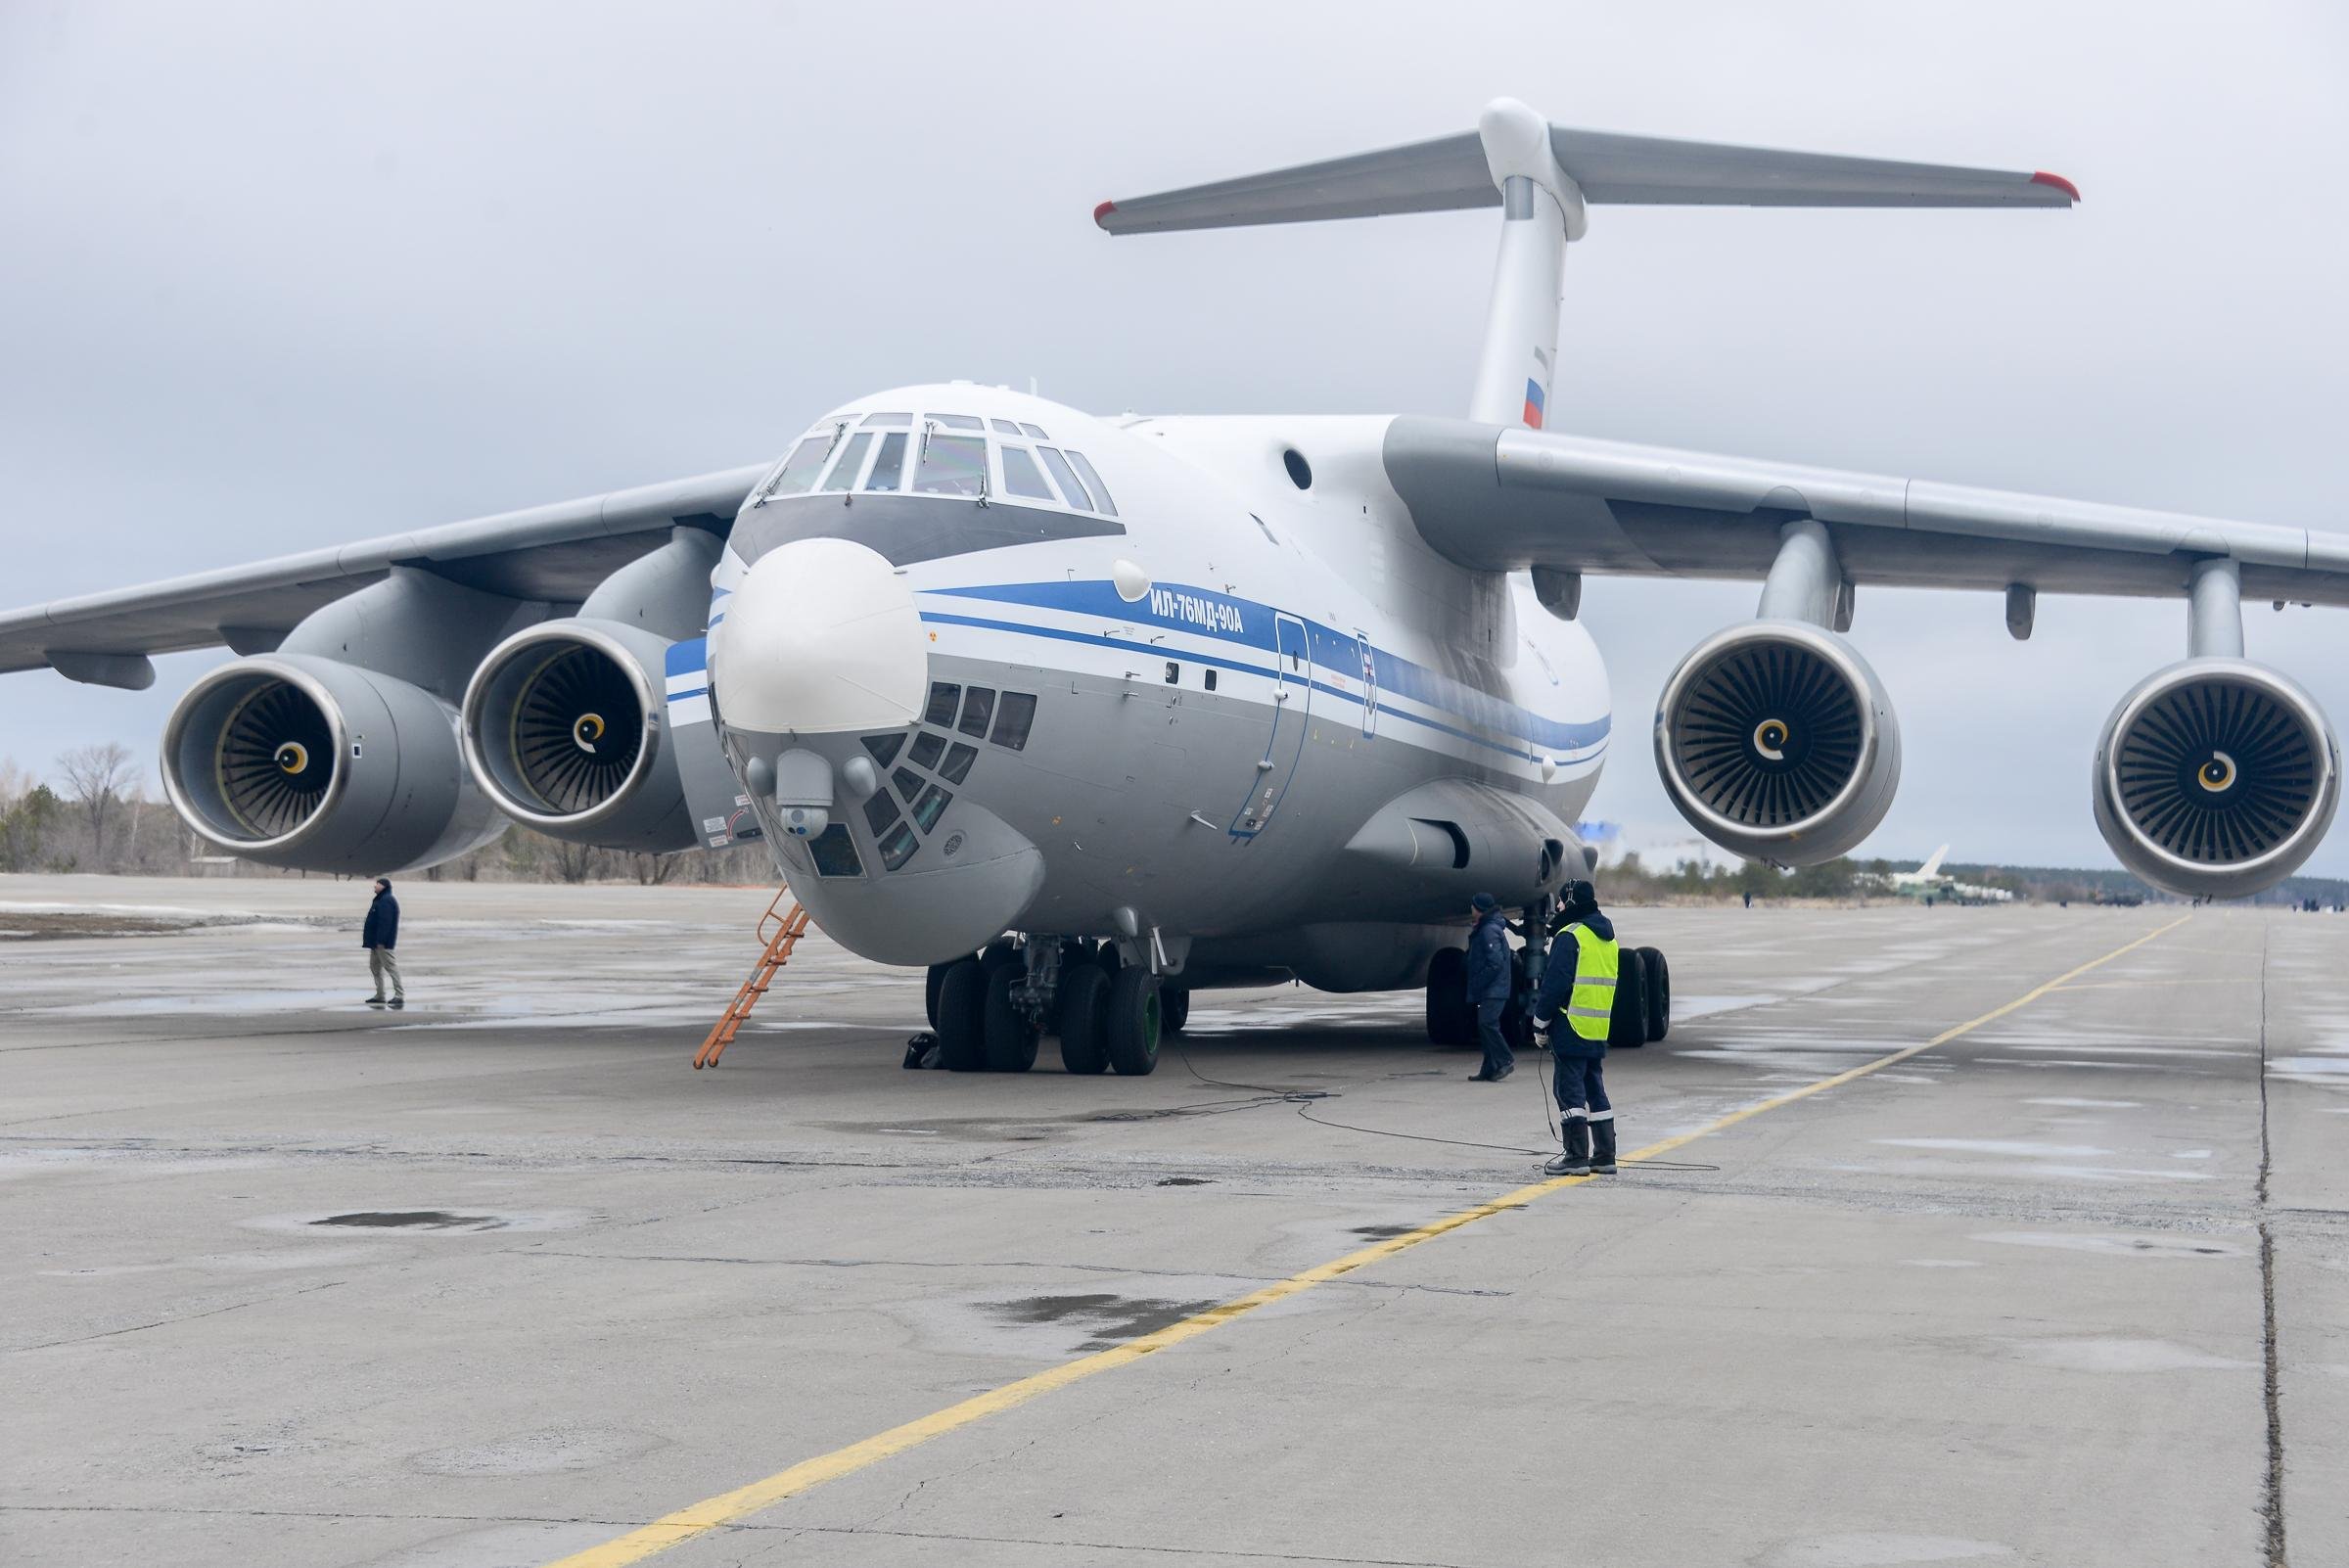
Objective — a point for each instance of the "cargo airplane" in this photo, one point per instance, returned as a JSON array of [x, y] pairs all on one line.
[[1085, 713]]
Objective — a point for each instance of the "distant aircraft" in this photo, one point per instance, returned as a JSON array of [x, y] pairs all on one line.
[[1236, 699], [1928, 884]]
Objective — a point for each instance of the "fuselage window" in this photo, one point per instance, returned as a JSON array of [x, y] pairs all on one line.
[[1092, 481], [1069, 484], [880, 811], [1210, 681], [889, 468], [851, 458], [925, 749], [958, 421], [952, 464], [1015, 715], [976, 708], [931, 807], [1173, 673], [909, 782], [1004, 426], [799, 469], [945, 697], [892, 421], [1021, 476], [1034, 431], [835, 853], [958, 763], [884, 748], [896, 845]]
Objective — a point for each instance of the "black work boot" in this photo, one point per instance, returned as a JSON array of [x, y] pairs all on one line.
[[1602, 1155], [1576, 1159]]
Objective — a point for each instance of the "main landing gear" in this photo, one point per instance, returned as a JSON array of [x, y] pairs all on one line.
[[992, 1012]]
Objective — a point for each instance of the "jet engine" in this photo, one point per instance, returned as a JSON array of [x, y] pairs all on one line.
[[295, 761], [2216, 777], [564, 728], [1776, 740]]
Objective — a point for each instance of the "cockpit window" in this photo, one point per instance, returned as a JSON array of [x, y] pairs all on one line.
[[1069, 484], [1021, 476], [958, 421], [952, 464], [799, 469], [892, 421], [889, 468], [851, 458], [1004, 426], [1101, 502], [1034, 431]]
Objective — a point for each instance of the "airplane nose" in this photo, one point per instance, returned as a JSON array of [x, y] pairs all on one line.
[[821, 636]]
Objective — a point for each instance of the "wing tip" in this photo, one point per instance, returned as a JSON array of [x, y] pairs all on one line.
[[2042, 177], [1101, 215]]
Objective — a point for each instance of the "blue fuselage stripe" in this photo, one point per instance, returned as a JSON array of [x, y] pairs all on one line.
[[1160, 651]]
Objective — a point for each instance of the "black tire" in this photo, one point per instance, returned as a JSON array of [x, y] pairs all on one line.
[[1450, 1021], [1174, 1008], [1083, 1005], [996, 954], [1659, 993], [930, 983], [962, 1017], [1009, 1038], [1628, 1028], [1132, 1022]]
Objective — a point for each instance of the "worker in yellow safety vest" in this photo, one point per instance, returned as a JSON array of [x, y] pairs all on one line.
[[1577, 1006]]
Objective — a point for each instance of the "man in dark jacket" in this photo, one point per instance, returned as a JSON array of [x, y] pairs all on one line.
[[1489, 978], [379, 937], [1577, 1006]]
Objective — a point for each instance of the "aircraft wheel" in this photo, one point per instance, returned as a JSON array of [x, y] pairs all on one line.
[[962, 1017], [1006, 1037], [996, 954], [1084, 1008], [936, 978], [1134, 1022], [1628, 1028], [1659, 992], [1174, 1005], [1450, 1021]]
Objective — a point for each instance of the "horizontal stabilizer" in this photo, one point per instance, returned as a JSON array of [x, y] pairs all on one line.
[[1451, 173]]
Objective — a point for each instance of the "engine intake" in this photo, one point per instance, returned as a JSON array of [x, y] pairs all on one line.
[[563, 727], [1777, 741], [295, 761], [2216, 777]]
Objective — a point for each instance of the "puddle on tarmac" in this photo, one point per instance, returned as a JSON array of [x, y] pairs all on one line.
[[414, 1219], [1110, 1320], [422, 1222], [1180, 1182], [1382, 1232]]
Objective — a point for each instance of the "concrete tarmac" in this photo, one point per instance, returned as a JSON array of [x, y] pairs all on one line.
[[499, 1279]]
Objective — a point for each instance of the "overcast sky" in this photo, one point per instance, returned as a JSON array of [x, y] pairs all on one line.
[[279, 276]]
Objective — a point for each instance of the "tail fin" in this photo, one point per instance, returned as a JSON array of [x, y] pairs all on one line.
[[1932, 868], [1543, 177]]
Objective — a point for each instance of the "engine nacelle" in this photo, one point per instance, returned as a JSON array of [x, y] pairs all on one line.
[[1777, 741], [295, 761], [2216, 777], [564, 727]]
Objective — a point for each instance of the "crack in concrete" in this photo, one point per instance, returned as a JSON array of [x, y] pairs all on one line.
[[2272, 1502], [184, 1317]]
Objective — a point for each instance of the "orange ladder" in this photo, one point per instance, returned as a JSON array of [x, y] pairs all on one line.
[[777, 953]]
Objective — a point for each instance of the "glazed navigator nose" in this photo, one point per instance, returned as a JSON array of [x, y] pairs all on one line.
[[821, 636]]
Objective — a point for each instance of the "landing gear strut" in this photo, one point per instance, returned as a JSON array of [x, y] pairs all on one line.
[[990, 1012]]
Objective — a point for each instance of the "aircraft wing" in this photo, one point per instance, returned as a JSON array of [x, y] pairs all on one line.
[[557, 553], [1494, 498]]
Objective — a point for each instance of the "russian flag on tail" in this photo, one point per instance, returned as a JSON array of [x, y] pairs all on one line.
[[1533, 405]]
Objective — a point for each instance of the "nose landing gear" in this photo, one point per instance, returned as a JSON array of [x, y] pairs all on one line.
[[990, 1012]]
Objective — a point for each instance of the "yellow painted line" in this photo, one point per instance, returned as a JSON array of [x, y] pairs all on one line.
[[713, 1513]]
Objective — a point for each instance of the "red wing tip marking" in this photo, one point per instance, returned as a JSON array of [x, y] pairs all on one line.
[[2040, 178], [1107, 208]]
